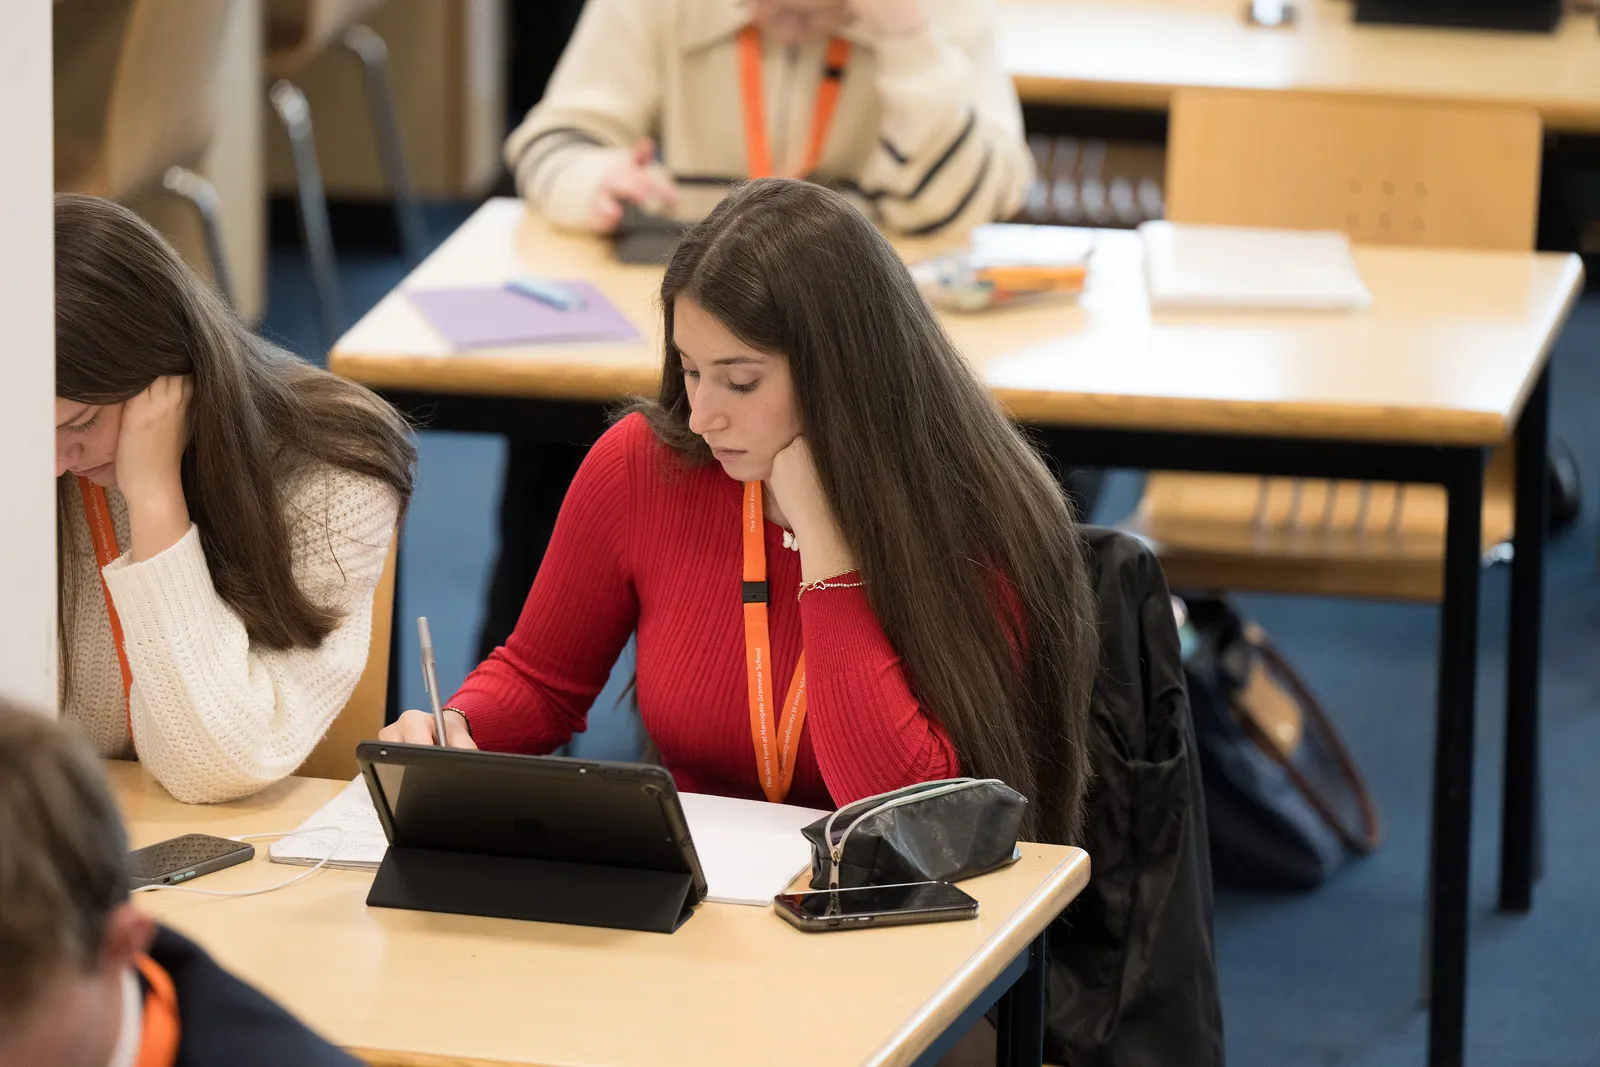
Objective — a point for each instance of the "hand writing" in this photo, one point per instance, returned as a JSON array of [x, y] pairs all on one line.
[[635, 179], [416, 728]]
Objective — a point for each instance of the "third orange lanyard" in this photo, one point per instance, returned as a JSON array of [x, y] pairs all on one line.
[[776, 738], [105, 551], [757, 147], [158, 1044]]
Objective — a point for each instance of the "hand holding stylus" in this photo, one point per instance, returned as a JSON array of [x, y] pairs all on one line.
[[417, 728]]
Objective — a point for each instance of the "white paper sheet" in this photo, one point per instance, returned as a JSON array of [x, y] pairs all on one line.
[[749, 850], [362, 846]]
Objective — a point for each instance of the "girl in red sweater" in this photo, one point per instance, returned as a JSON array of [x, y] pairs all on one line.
[[847, 571]]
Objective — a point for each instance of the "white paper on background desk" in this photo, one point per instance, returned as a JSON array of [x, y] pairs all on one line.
[[749, 850], [1240, 268]]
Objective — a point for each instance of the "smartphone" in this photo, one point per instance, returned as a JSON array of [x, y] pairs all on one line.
[[878, 905], [180, 859]]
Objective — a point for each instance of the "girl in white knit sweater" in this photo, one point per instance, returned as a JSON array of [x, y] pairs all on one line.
[[225, 511]]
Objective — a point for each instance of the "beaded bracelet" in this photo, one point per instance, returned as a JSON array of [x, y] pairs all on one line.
[[828, 583], [464, 720]]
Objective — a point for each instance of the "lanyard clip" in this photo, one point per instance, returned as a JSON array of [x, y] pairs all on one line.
[[755, 592]]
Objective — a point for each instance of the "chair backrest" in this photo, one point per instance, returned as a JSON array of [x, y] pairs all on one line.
[[162, 107], [362, 715], [1383, 170]]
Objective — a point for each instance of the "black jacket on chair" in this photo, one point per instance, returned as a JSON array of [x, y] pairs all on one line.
[[1133, 973]]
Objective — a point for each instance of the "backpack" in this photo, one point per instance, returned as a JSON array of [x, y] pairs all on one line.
[[1286, 805]]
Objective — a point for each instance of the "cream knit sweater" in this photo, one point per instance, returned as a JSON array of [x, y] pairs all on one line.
[[216, 717], [927, 133]]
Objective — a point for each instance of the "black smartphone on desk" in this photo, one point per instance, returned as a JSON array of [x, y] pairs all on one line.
[[876, 905], [180, 859]]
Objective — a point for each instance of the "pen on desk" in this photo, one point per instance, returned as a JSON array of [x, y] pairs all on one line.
[[557, 296], [430, 678]]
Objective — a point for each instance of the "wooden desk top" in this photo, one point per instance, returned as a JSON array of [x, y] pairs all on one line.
[[1447, 353], [1134, 53], [735, 985]]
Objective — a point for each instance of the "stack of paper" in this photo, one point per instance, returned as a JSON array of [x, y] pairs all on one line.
[[1012, 245], [1006, 263], [749, 850], [1233, 267]]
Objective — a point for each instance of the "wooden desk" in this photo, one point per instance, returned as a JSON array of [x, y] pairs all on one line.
[[1135, 53], [1448, 362], [1447, 354], [735, 985]]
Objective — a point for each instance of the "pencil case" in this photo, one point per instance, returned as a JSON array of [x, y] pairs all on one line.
[[934, 831]]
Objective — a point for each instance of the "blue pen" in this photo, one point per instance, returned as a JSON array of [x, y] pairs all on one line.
[[557, 296]]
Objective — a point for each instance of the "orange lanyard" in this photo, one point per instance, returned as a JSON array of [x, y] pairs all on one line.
[[158, 1044], [105, 551], [775, 742], [758, 151]]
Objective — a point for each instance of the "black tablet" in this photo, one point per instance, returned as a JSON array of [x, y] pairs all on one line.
[[644, 238], [537, 837]]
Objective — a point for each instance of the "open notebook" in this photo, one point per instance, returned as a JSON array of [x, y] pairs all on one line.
[[749, 850]]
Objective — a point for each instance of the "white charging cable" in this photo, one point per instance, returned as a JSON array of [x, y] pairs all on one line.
[[323, 862]]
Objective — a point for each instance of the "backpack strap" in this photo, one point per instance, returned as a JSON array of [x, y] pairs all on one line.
[[1360, 839]]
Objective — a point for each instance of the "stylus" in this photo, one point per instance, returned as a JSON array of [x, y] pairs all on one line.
[[430, 678]]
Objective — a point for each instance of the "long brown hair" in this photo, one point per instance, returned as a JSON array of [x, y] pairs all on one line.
[[128, 311], [965, 542]]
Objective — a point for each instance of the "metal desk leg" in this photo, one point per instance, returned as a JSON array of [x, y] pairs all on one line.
[[1019, 1021], [1452, 760], [1519, 809]]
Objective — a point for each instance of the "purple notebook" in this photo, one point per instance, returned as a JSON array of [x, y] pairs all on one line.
[[491, 317]]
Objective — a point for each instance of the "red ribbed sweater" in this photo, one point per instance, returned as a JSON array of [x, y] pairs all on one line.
[[647, 544]]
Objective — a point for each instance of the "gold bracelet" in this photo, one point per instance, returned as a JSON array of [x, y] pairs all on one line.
[[828, 583]]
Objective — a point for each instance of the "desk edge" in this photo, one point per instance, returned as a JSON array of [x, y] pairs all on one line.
[[381, 1058], [1065, 881], [1558, 324]]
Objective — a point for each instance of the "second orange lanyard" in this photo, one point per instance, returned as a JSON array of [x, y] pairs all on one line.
[[104, 535], [776, 737], [758, 149]]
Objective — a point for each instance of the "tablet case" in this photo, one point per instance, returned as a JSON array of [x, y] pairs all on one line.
[[541, 838], [1535, 16], [506, 887]]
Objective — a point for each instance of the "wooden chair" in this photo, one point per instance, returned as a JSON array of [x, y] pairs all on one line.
[[1385, 171], [362, 715], [136, 85]]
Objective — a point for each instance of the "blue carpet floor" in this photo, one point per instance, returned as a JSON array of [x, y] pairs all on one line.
[[1332, 977]]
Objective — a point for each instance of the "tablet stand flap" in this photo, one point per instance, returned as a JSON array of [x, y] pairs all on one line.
[[506, 887]]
